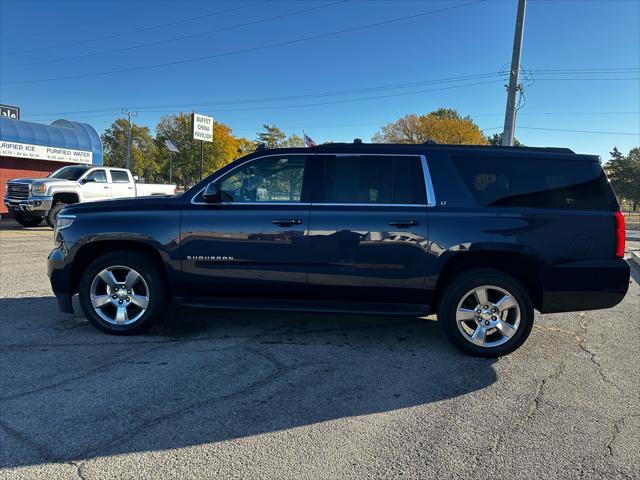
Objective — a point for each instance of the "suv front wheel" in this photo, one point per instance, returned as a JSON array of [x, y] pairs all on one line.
[[123, 292], [486, 313]]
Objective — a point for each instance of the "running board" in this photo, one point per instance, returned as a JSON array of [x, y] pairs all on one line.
[[357, 308]]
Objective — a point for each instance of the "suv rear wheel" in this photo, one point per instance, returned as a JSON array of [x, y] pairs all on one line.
[[123, 292], [486, 313]]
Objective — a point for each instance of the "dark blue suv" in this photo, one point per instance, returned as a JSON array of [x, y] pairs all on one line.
[[479, 235]]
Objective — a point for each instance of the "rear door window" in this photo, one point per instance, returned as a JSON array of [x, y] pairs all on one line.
[[119, 176], [535, 182], [372, 179], [408, 186]]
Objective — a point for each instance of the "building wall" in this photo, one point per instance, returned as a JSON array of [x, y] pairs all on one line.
[[24, 168]]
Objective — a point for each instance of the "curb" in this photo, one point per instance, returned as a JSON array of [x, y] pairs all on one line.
[[635, 258]]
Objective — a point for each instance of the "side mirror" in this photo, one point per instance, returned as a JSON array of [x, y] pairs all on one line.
[[212, 193], [88, 179], [136, 178]]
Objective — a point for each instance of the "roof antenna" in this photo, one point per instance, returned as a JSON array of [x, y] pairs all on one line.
[[261, 146], [430, 141], [357, 141]]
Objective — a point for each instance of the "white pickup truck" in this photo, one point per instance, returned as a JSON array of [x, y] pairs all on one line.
[[36, 199]]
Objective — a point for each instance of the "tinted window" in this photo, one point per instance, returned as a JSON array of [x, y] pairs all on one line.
[[69, 173], [527, 182], [119, 176], [408, 187], [373, 179], [358, 180], [100, 176], [273, 179]]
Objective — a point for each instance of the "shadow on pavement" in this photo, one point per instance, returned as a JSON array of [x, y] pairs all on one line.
[[69, 392]]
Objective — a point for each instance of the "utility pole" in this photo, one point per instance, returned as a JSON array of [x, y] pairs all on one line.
[[129, 115], [510, 115]]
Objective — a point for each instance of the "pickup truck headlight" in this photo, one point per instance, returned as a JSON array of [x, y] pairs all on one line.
[[64, 221], [39, 188]]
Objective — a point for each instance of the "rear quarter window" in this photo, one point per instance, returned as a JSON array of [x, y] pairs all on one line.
[[536, 182]]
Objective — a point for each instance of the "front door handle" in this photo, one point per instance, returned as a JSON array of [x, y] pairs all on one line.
[[286, 222], [404, 223]]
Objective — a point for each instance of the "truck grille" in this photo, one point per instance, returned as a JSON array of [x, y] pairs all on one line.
[[18, 190]]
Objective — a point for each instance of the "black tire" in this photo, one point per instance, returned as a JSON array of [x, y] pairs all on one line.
[[158, 298], [459, 288], [28, 220], [52, 216]]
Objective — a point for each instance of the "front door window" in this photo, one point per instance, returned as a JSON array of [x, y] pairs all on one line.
[[272, 179]]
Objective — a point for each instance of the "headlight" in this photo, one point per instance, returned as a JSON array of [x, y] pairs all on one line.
[[64, 221], [39, 188]]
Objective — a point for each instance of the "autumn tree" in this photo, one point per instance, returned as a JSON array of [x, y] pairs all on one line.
[[245, 146], [143, 149], [444, 125], [186, 165], [624, 173]]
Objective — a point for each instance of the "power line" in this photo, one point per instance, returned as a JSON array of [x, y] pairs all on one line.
[[249, 49], [131, 32], [183, 37], [445, 80], [581, 131], [295, 97]]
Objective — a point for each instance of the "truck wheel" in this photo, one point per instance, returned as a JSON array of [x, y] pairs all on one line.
[[52, 216], [28, 220], [486, 313], [123, 292]]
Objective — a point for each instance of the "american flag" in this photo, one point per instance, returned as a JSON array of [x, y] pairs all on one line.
[[308, 141]]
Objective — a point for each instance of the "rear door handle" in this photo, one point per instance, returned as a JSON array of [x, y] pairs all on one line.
[[286, 222], [404, 223]]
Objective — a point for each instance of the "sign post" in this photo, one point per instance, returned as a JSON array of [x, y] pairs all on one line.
[[203, 131]]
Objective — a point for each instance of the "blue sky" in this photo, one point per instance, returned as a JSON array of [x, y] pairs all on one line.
[[241, 79]]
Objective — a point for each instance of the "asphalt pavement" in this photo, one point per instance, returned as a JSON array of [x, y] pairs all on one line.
[[296, 396]]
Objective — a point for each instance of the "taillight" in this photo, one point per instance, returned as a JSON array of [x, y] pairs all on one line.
[[620, 235]]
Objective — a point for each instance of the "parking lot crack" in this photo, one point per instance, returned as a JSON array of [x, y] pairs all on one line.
[[616, 429], [78, 466], [594, 359], [534, 406]]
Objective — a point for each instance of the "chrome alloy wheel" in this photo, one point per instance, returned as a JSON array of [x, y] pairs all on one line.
[[119, 295], [488, 316]]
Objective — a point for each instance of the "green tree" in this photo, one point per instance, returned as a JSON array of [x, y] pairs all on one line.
[[293, 140], [443, 125], [186, 165], [271, 136], [144, 161], [624, 174], [496, 139]]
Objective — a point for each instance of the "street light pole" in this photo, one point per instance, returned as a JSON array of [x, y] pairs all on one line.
[[510, 115], [129, 115]]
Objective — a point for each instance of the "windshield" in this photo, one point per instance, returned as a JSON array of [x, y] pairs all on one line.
[[69, 173]]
